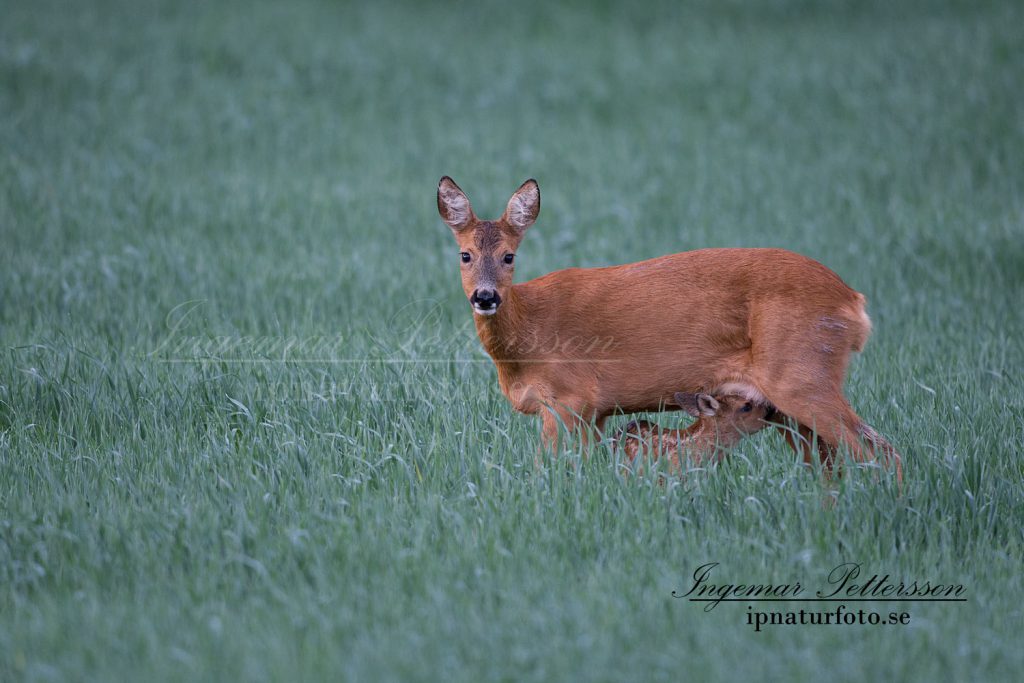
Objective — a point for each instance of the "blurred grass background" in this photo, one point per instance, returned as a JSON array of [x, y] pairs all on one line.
[[248, 173]]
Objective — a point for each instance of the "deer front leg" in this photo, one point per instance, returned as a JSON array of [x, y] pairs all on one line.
[[548, 433], [577, 421]]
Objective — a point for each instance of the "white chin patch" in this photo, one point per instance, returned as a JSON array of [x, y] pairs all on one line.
[[485, 311]]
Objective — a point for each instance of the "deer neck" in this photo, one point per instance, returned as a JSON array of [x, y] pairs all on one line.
[[697, 433], [504, 334], [706, 433], [728, 436]]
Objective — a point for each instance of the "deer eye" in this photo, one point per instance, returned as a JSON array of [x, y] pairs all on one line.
[[746, 408], [509, 258], [465, 256]]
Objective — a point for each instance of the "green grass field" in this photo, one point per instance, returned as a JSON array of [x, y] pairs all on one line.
[[247, 431]]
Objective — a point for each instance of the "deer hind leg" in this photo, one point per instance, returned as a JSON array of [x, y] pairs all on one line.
[[879, 445], [797, 437], [836, 425], [867, 444], [806, 382]]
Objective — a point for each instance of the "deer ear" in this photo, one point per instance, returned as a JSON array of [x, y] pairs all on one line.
[[688, 402], [453, 205], [707, 405], [524, 206]]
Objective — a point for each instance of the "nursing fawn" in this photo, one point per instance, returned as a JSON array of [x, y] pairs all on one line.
[[722, 422]]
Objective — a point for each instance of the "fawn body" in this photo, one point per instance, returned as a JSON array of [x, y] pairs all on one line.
[[580, 344], [722, 422]]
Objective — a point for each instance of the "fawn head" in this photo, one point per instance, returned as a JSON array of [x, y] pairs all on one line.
[[487, 249], [730, 411]]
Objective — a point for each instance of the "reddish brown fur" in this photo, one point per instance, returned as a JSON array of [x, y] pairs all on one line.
[[715, 431], [578, 345]]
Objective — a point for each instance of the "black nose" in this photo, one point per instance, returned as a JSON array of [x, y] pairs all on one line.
[[485, 298]]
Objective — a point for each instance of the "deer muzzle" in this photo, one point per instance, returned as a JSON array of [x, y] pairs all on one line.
[[485, 301]]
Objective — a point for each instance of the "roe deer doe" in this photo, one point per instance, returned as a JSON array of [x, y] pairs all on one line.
[[580, 344]]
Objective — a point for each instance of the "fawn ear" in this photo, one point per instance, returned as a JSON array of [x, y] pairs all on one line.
[[453, 205], [524, 206], [697, 405], [688, 402], [707, 405]]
